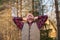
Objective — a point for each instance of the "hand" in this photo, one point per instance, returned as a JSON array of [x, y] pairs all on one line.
[[24, 19], [45, 13], [35, 17]]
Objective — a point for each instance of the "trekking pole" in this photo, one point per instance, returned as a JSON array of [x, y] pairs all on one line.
[[17, 8]]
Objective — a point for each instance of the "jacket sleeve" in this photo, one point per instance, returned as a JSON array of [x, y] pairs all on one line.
[[41, 20], [18, 22]]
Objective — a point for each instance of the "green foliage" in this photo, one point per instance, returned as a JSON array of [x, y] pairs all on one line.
[[4, 1], [0, 2], [35, 13], [45, 33]]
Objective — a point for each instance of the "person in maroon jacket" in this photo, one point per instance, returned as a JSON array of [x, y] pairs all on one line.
[[30, 26]]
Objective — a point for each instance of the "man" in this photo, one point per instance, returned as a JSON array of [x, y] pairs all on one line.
[[30, 26]]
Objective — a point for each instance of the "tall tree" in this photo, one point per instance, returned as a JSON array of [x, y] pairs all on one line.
[[58, 18]]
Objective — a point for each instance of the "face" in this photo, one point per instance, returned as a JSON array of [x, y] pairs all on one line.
[[30, 17]]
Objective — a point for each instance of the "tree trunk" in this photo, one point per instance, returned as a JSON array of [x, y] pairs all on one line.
[[58, 18]]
